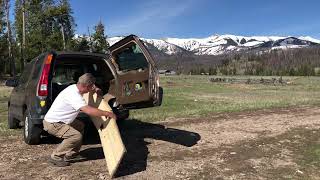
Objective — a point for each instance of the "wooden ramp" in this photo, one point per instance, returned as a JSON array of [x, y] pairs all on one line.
[[113, 147]]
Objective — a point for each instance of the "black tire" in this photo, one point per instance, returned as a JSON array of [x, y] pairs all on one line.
[[122, 114], [12, 123], [31, 132], [159, 102]]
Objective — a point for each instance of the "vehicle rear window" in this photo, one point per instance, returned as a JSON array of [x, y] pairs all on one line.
[[131, 58]]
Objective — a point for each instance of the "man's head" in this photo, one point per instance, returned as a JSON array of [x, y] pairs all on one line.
[[86, 83]]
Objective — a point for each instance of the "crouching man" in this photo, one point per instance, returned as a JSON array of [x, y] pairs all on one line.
[[61, 121]]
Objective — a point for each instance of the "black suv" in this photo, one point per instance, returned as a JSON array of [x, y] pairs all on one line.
[[127, 75]]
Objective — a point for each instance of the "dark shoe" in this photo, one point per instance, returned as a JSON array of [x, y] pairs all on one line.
[[59, 162], [74, 158]]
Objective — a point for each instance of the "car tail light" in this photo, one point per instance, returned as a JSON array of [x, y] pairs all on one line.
[[43, 83]]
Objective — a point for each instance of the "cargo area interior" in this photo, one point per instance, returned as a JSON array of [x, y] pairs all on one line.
[[131, 66], [67, 70]]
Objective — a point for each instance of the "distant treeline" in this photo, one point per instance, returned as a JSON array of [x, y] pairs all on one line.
[[40, 26], [290, 62]]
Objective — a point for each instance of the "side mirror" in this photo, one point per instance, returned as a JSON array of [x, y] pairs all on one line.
[[12, 82]]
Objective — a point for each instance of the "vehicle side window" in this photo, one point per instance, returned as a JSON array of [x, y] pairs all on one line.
[[37, 67], [131, 58], [26, 73]]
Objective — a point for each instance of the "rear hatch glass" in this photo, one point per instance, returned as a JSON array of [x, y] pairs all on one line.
[[131, 58]]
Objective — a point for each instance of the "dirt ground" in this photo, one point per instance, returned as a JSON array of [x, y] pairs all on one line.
[[263, 144]]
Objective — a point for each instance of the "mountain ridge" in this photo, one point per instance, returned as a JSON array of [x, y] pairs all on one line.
[[224, 44]]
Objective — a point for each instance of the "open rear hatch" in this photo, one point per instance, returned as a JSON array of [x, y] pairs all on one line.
[[137, 79]]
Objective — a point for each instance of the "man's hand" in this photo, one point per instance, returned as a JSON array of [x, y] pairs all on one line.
[[92, 111], [111, 115], [98, 91]]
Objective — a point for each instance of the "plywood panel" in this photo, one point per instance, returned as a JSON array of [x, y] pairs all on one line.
[[112, 144]]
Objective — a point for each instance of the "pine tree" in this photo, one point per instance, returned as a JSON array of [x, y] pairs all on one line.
[[66, 22], [11, 61], [99, 40], [49, 25], [202, 71], [80, 44], [3, 42], [2, 18], [212, 71]]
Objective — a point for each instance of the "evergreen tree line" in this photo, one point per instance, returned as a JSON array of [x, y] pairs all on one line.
[[40, 26], [290, 62]]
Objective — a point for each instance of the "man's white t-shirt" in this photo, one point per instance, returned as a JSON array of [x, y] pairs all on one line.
[[66, 106]]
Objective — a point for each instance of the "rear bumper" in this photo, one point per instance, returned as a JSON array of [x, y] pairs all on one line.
[[141, 105], [147, 104]]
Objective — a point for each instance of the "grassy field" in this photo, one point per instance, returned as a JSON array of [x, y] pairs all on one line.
[[196, 96]]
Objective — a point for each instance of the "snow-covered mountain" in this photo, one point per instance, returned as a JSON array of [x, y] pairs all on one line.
[[157, 44], [222, 44]]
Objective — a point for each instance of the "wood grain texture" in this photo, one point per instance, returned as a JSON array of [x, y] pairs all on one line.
[[112, 144]]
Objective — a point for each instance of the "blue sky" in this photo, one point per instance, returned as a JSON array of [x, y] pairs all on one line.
[[199, 18]]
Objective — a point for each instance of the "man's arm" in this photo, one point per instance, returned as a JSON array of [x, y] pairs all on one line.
[[97, 112]]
